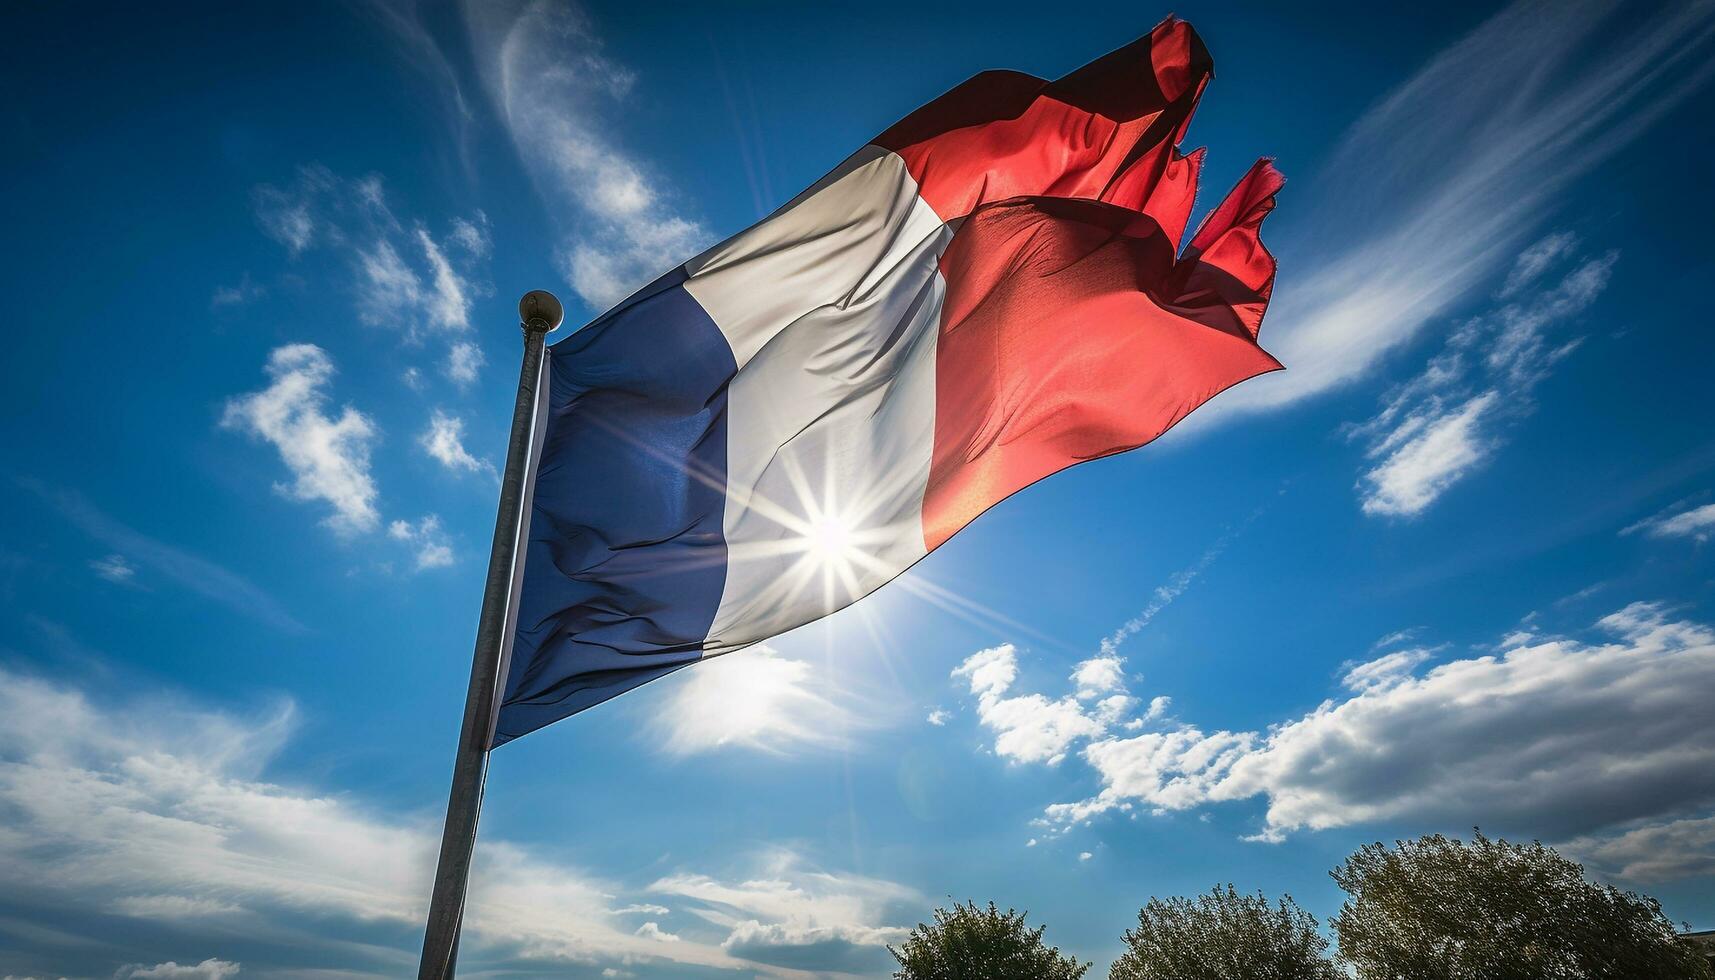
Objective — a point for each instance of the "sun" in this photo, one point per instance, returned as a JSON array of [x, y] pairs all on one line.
[[831, 539]]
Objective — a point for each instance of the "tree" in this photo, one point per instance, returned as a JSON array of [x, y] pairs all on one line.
[[1224, 936], [971, 943], [1440, 909]]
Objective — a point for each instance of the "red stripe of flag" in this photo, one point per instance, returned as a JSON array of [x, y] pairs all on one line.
[[1072, 327]]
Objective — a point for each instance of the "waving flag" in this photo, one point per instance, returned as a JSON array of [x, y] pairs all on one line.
[[993, 290]]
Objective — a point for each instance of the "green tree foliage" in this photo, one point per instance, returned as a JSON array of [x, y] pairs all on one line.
[[1440, 909], [1224, 936], [971, 943]]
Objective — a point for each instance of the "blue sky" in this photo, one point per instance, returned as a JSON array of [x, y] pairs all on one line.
[[1451, 568]]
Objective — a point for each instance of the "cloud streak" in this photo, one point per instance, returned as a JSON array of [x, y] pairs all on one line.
[[193, 572], [556, 91], [1176, 585], [1679, 521], [1454, 169]]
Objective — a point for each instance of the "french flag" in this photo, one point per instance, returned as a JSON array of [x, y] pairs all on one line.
[[993, 290]]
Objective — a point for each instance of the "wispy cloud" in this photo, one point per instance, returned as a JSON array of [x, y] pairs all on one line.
[[446, 302], [1384, 671], [444, 442], [783, 908], [464, 361], [327, 455], [1440, 426], [559, 95], [404, 277], [472, 236], [158, 810], [1176, 586], [1164, 596], [192, 572], [426, 536], [1536, 260], [230, 296], [1679, 521], [114, 568], [1445, 443], [1456, 169], [1553, 736], [754, 699], [209, 969], [284, 214]]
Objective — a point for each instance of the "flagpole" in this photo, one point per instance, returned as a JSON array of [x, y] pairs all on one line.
[[538, 313]]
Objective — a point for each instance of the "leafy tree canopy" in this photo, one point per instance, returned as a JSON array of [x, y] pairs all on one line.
[[971, 943], [1441, 909], [1224, 936]]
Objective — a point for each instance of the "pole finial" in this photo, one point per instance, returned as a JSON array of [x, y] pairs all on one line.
[[540, 310]]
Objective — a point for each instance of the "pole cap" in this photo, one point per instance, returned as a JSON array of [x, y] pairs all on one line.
[[540, 310]]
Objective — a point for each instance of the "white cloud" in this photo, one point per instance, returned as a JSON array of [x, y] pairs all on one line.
[[754, 698], [1384, 671], [328, 456], [1697, 523], [1158, 707], [1098, 676], [209, 969], [938, 717], [114, 568], [785, 903], [556, 91], [1435, 429], [1441, 449], [653, 930], [444, 440], [1536, 260], [472, 235], [446, 303], [464, 360], [285, 217], [228, 296], [393, 294], [165, 908], [433, 548], [1029, 728], [156, 810], [389, 286], [1085, 855], [1553, 736], [1651, 853], [1459, 165]]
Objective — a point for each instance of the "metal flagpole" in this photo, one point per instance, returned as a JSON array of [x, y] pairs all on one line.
[[538, 313]]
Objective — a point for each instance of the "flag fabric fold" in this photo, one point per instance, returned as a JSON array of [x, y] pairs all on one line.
[[992, 291]]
